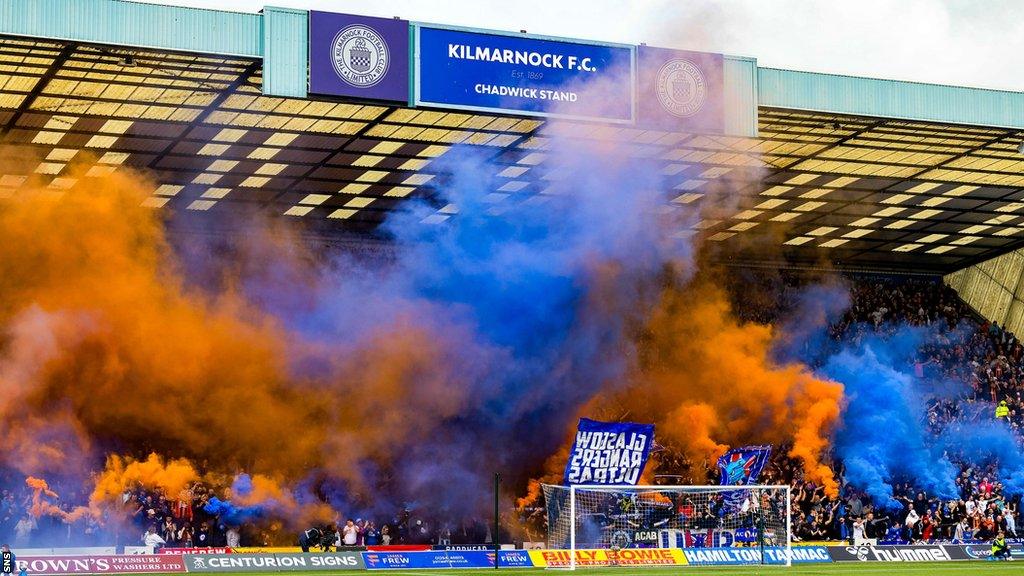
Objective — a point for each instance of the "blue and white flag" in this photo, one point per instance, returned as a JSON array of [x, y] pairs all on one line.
[[608, 452], [741, 467]]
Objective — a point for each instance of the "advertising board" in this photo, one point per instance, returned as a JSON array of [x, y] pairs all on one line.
[[525, 75]]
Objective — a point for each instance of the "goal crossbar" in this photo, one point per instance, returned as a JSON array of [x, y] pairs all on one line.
[[614, 517]]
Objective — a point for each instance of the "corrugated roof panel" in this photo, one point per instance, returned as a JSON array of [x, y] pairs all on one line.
[[286, 49], [740, 77], [889, 98], [135, 24]]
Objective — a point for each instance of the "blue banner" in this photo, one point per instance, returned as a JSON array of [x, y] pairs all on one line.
[[752, 555], [516, 559], [741, 467], [533, 76], [708, 537], [445, 559], [608, 452]]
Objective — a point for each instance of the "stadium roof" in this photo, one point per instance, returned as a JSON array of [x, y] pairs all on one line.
[[870, 173]]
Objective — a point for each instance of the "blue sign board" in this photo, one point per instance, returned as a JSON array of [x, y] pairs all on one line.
[[752, 555], [444, 559], [524, 75], [516, 559]]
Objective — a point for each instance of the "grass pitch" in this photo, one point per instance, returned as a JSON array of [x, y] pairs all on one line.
[[867, 568]]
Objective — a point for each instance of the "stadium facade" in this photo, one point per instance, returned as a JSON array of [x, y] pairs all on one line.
[[336, 120]]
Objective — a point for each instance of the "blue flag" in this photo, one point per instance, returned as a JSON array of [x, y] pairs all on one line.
[[608, 452], [741, 467]]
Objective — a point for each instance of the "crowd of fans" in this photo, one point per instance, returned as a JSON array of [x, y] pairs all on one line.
[[983, 359], [982, 356], [150, 517]]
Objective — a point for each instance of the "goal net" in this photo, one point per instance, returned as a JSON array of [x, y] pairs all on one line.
[[667, 525]]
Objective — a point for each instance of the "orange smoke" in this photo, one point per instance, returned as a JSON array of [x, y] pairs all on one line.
[[130, 351], [709, 382], [271, 495], [41, 507], [40, 487], [122, 474], [97, 314]]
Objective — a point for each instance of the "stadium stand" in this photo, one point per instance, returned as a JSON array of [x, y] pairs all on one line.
[[984, 357]]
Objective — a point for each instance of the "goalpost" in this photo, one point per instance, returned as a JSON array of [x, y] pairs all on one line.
[[650, 525]]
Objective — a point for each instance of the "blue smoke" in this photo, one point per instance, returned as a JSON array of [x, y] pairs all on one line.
[[232, 514], [242, 485], [529, 295], [804, 335], [987, 442], [883, 439]]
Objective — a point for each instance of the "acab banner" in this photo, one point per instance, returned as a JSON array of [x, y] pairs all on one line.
[[608, 452], [522, 74]]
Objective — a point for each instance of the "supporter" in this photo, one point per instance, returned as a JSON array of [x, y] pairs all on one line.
[[911, 528], [169, 530], [23, 531], [152, 539], [372, 534], [360, 531], [928, 523], [202, 536], [962, 532], [183, 505], [420, 533], [233, 538], [311, 539], [875, 527], [185, 536], [349, 533], [858, 530]]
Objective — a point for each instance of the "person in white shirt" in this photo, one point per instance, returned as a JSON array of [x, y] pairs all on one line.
[[152, 539], [349, 534], [23, 530], [233, 538], [911, 523], [858, 530], [960, 532]]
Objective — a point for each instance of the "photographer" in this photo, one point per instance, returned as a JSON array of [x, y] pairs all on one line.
[[313, 537]]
